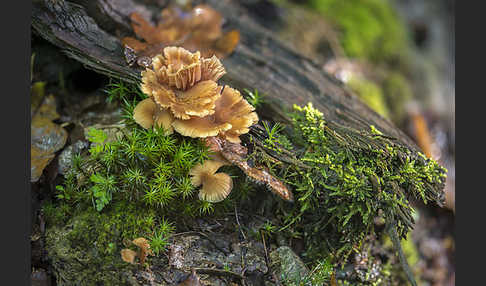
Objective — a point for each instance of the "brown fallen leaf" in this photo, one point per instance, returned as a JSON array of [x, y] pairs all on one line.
[[46, 136], [199, 29]]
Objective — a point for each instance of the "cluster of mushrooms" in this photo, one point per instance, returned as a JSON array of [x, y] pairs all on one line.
[[184, 96]]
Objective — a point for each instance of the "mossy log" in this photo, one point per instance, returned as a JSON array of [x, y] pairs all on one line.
[[90, 32]]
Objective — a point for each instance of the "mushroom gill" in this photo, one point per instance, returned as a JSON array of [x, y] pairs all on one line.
[[175, 82], [180, 68], [232, 117], [215, 186], [212, 69]]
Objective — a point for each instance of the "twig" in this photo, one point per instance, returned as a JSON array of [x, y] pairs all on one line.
[[267, 261], [265, 248], [238, 222]]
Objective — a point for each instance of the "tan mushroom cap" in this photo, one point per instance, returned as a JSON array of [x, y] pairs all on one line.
[[198, 127], [212, 69], [233, 108], [164, 118], [182, 68], [143, 243], [232, 117], [144, 113], [128, 255], [148, 114], [215, 186], [199, 100], [183, 82], [144, 246]]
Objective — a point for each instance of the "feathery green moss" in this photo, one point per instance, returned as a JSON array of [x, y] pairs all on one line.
[[345, 179]]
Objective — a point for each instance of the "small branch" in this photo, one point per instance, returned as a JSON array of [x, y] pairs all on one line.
[[267, 261], [238, 222]]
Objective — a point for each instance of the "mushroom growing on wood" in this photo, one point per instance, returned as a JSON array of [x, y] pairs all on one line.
[[215, 186], [184, 94], [232, 117], [144, 246], [183, 82]]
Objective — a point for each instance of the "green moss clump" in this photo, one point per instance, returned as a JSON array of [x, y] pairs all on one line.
[[121, 189], [371, 94], [370, 29], [350, 178], [86, 250], [145, 167]]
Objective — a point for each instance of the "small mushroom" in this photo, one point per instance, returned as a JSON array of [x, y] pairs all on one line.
[[144, 113], [128, 255], [144, 246], [215, 186], [232, 117], [148, 114]]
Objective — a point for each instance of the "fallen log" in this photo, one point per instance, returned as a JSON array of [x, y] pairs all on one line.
[[90, 32]]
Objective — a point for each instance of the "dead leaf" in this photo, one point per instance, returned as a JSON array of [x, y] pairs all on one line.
[[422, 134], [46, 136]]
